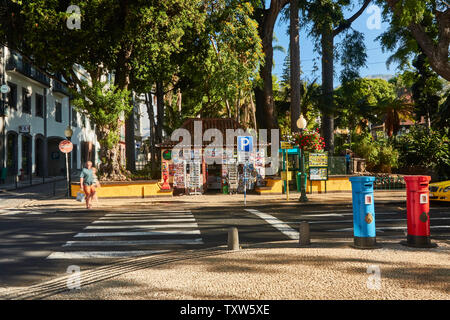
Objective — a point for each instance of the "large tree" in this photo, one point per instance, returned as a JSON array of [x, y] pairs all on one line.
[[115, 37], [428, 22], [294, 50], [266, 17], [328, 22], [358, 101]]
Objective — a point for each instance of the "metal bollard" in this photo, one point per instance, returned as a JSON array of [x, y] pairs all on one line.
[[304, 238], [233, 238]]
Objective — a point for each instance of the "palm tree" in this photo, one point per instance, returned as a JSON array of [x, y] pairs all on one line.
[[394, 110]]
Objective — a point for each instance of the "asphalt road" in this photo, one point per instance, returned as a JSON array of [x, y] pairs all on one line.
[[38, 245]]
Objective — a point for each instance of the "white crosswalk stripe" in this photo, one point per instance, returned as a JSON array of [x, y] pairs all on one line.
[[101, 254], [107, 243], [278, 224], [112, 221], [145, 226], [133, 233], [153, 230]]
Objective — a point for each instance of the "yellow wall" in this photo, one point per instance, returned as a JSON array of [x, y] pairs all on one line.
[[333, 184], [274, 186], [147, 189]]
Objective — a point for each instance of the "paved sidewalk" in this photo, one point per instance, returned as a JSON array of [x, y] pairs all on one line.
[[281, 270], [26, 183], [52, 189]]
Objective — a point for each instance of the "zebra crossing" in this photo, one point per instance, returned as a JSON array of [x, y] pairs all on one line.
[[122, 235]]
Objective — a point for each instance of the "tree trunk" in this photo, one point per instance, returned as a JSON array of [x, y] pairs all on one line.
[[253, 112], [151, 117], [265, 109], [160, 115], [130, 145], [327, 42], [160, 111], [110, 168], [294, 48]]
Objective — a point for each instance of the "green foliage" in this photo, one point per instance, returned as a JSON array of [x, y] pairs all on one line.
[[356, 101], [139, 41], [442, 117], [310, 97], [425, 148], [103, 103], [380, 154], [219, 82], [417, 27], [398, 38], [426, 89], [353, 55]]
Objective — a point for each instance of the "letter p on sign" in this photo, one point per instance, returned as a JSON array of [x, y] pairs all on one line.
[[245, 144]]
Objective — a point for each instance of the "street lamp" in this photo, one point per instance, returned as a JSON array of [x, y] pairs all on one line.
[[68, 133], [301, 124]]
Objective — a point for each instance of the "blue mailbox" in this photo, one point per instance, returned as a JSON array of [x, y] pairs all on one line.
[[364, 232]]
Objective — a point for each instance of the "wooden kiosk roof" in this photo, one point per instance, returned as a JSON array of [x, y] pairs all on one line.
[[221, 124]]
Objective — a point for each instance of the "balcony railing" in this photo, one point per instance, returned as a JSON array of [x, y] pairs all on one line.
[[16, 63], [59, 87]]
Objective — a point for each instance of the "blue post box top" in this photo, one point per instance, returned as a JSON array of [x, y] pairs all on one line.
[[362, 179]]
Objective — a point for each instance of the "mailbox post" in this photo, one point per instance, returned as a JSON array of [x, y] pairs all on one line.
[[364, 232], [418, 209]]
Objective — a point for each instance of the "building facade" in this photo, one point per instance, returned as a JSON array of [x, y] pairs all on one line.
[[35, 113]]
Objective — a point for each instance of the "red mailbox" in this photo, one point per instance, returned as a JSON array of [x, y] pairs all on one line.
[[418, 208]]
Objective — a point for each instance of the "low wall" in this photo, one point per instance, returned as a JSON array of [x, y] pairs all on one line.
[[124, 189], [334, 184]]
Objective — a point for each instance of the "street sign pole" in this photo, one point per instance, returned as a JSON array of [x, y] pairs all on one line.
[[287, 175], [245, 147], [245, 183], [66, 146], [285, 146], [67, 172]]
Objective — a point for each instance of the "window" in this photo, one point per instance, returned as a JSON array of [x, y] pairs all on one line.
[[74, 118], [83, 121], [26, 101], [39, 106], [92, 124], [58, 112], [74, 155], [12, 96]]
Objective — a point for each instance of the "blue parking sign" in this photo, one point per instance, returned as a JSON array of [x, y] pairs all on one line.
[[245, 143]]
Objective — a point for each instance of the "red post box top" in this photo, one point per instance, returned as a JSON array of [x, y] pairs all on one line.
[[417, 182], [417, 178]]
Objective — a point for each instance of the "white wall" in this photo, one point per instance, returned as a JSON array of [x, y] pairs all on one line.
[[17, 118]]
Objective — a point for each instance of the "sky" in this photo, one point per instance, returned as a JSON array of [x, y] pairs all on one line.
[[366, 23]]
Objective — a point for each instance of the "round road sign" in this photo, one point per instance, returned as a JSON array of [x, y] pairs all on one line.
[[4, 88], [65, 146]]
